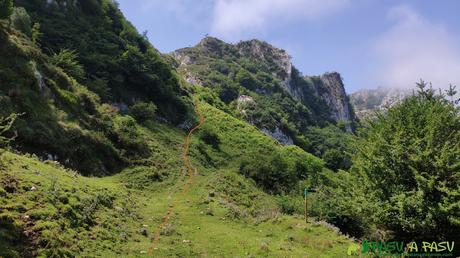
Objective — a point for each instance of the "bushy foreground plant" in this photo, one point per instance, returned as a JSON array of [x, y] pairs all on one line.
[[405, 178]]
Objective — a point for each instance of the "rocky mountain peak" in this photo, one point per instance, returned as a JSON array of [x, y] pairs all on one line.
[[211, 44], [264, 52], [312, 91], [330, 88]]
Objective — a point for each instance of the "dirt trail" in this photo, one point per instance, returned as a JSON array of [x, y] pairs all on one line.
[[190, 173]]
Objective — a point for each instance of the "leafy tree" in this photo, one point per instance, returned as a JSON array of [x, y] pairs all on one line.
[[228, 93], [336, 159], [331, 144], [411, 157], [451, 92], [280, 172], [272, 174], [407, 167], [6, 8]]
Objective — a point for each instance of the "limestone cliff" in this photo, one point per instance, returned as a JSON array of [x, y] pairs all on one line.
[[329, 87], [284, 103]]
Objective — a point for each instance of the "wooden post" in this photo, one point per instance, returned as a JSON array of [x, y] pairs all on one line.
[[306, 214]]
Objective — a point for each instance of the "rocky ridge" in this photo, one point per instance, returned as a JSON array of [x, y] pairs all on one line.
[[328, 87]]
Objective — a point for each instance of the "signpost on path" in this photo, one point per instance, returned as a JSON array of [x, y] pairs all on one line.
[[305, 193]]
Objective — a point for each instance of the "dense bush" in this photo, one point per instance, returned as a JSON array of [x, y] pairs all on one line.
[[67, 60], [331, 144], [282, 170], [210, 137], [142, 111], [113, 55], [405, 177]]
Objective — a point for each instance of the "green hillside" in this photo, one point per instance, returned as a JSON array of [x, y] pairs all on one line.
[[56, 212], [110, 149], [74, 123], [256, 82]]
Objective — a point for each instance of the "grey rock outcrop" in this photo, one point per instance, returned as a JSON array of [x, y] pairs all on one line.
[[330, 88], [279, 135]]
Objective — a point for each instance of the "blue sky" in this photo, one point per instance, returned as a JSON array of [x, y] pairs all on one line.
[[371, 43]]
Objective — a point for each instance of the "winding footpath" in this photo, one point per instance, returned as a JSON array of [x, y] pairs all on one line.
[[190, 172]]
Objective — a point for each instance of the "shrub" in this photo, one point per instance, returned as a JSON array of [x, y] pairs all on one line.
[[291, 204], [271, 174], [336, 159], [67, 60], [210, 137], [5, 126], [142, 111], [405, 175]]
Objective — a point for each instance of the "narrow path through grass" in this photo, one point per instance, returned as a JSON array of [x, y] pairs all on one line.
[[190, 171]]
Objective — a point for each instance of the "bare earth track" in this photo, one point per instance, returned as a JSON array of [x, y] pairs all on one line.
[[190, 172]]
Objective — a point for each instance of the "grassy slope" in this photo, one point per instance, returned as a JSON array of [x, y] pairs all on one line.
[[103, 216]]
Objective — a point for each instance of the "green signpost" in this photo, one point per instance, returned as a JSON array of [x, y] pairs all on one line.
[[305, 193]]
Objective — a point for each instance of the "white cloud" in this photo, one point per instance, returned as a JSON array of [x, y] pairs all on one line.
[[415, 48], [233, 18]]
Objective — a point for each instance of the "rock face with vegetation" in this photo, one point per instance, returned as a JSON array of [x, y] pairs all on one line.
[[290, 107], [324, 95], [329, 87]]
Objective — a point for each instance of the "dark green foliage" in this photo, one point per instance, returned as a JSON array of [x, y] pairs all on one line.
[[341, 198], [228, 93], [246, 80], [332, 145], [6, 8], [280, 172], [142, 111], [20, 20], [5, 126], [406, 172], [291, 204], [414, 149], [113, 53], [35, 33], [336, 159], [271, 174], [67, 60], [210, 137], [128, 139]]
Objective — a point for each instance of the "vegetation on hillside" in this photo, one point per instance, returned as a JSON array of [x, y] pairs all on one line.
[[404, 184], [83, 94], [66, 89], [109, 110], [118, 63], [230, 72]]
